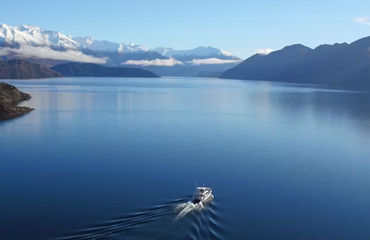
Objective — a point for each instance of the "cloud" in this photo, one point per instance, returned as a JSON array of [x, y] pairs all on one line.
[[264, 51], [363, 20], [226, 53], [48, 53], [212, 61], [156, 62]]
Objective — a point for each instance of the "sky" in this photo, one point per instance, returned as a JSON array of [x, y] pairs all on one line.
[[241, 27]]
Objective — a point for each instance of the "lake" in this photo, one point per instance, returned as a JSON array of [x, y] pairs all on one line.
[[111, 158]]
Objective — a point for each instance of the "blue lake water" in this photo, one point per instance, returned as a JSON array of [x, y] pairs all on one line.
[[110, 158]]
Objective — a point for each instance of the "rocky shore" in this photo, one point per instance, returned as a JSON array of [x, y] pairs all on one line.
[[10, 97]]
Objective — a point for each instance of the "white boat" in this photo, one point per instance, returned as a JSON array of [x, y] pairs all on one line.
[[200, 199], [203, 196]]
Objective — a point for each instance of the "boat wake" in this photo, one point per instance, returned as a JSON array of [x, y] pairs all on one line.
[[184, 209], [169, 220], [202, 197]]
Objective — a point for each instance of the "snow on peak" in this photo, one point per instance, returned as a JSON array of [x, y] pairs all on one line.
[[84, 41], [199, 52], [28, 28], [132, 47], [33, 39], [107, 46], [162, 50], [26, 35], [97, 45]]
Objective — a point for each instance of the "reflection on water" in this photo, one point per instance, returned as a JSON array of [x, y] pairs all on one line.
[[286, 161]]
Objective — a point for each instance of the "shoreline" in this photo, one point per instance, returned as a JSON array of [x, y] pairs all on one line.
[[10, 97]]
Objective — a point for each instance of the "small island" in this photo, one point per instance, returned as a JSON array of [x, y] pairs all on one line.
[[10, 97]]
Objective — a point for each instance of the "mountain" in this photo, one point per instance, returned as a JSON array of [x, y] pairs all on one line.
[[9, 99], [34, 36], [19, 69], [95, 70], [346, 65], [190, 70], [265, 67], [162, 50], [107, 46], [34, 44], [196, 53], [38, 45], [200, 61], [115, 54]]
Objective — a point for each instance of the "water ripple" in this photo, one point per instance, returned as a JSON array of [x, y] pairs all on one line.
[[158, 222]]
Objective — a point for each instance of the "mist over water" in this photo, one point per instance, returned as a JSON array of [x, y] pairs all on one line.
[[105, 158]]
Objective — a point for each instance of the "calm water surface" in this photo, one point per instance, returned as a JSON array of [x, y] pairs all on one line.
[[103, 158]]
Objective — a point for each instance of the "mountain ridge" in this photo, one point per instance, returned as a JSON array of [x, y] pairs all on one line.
[[52, 47], [20, 69], [343, 64], [95, 70]]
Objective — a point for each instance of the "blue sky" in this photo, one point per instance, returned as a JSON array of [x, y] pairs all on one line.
[[239, 26]]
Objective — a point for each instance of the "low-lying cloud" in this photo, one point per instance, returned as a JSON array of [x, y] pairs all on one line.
[[156, 62], [48, 53], [212, 61], [264, 51], [363, 20]]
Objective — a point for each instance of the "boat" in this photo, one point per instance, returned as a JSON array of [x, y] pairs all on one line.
[[203, 196]]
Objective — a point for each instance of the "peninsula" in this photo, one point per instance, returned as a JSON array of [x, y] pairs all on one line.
[[10, 97]]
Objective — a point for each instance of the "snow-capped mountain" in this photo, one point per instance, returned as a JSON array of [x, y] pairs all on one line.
[[107, 46], [162, 50], [52, 47], [97, 45], [36, 43], [15, 36], [197, 53], [34, 36]]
